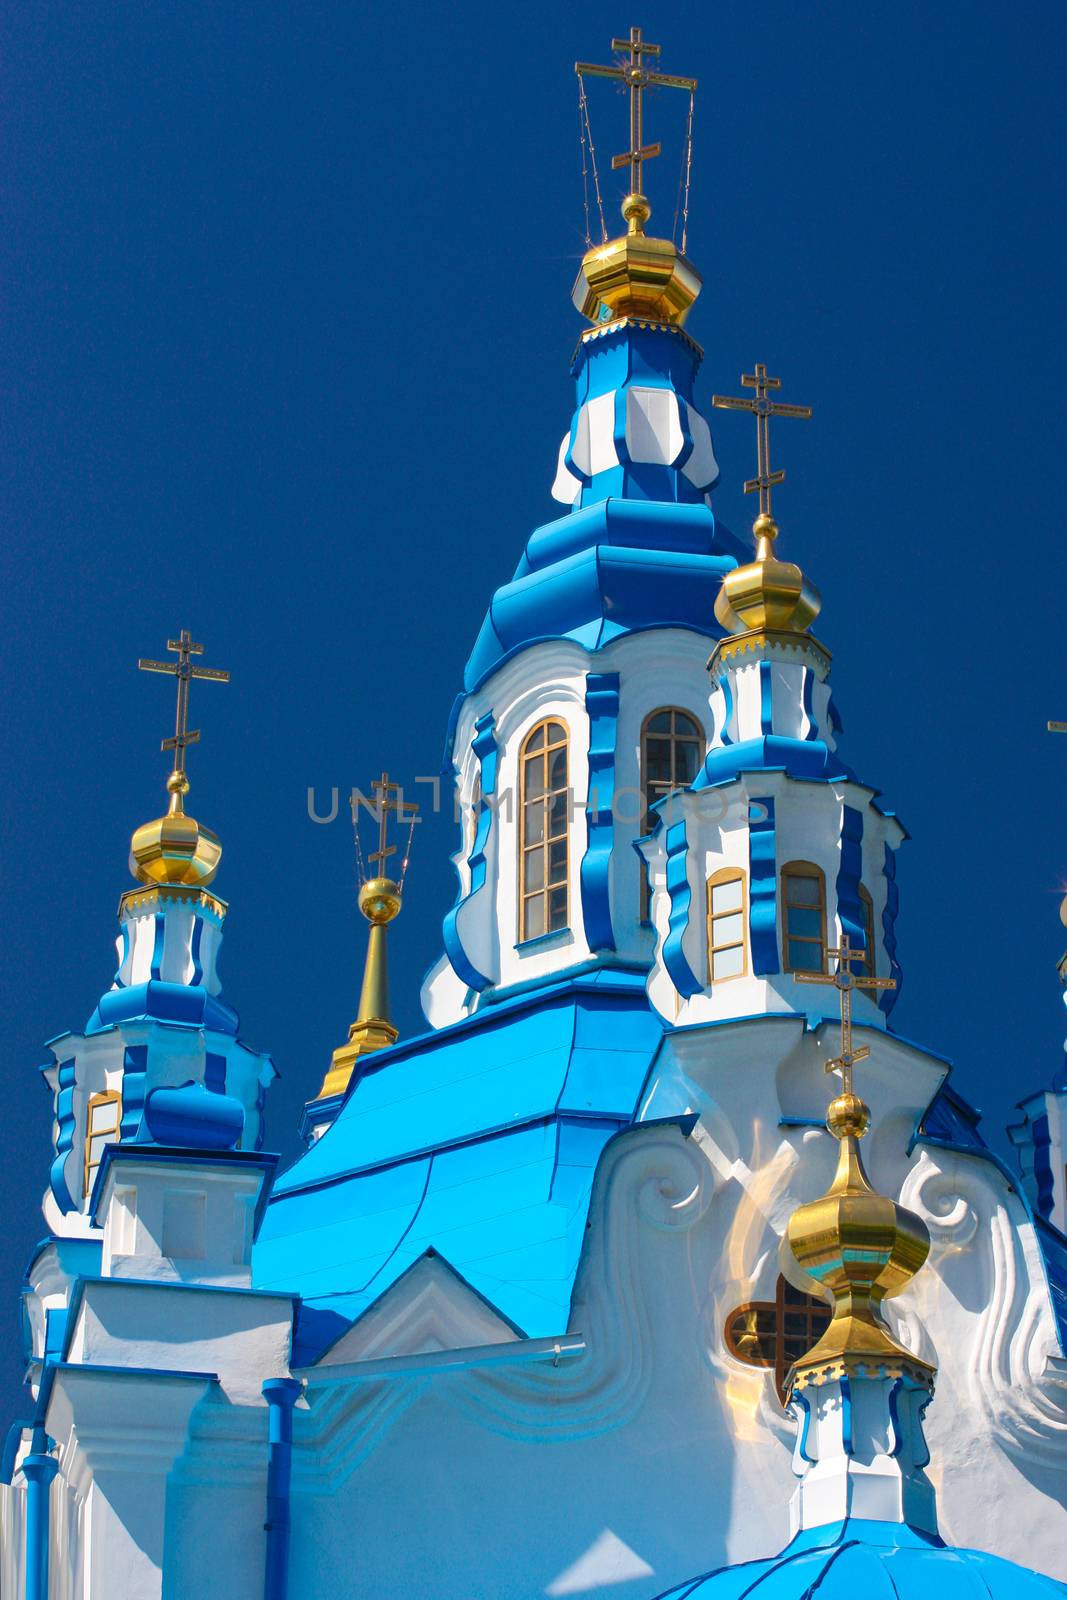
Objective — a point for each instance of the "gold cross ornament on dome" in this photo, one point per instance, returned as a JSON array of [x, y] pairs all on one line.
[[764, 408], [637, 77], [844, 980], [183, 669]]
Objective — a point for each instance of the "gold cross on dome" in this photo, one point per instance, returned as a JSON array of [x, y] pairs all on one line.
[[185, 672], [637, 78], [1057, 727], [389, 802], [844, 981], [764, 408]]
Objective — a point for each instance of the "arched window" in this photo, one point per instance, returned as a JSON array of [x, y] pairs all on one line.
[[866, 966], [726, 925], [543, 854], [803, 918], [672, 748], [102, 1120], [777, 1333]]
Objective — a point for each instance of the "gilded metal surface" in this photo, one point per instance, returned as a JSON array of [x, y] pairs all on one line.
[[380, 901], [763, 408], [757, 640], [139, 902], [857, 1246], [636, 274], [767, 594]]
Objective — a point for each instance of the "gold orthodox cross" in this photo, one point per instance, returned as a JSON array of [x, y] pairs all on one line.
[[185, 672], [638, 78], [845, 980], [389, 802], [1057, 727], [764, 408]]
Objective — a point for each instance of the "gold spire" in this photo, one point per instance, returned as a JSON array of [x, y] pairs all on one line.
[[380, 900], [636, 275], [175, 849], [765, 597], [858, 1246]]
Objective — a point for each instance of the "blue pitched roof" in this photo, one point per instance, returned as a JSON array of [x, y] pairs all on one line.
[[878, 1559], [619, 566], [479, 1142]]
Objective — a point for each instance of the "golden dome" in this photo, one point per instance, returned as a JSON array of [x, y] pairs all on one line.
[[767, 595], [175, 848], [635, 275], [859, 1247]]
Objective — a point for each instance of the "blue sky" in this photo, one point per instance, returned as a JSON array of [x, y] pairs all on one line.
[[284, 360]]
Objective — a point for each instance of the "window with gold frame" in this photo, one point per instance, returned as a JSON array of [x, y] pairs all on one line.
[[672, 748], [803, 917], [776, 1333], [544, 856], [103, 1117], [727, 919]]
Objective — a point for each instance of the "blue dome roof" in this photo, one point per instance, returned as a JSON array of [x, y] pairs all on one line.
[[881, 1560]]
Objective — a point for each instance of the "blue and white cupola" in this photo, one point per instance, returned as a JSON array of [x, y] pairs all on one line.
[[602, 632], [777, 845], [160, 1061]]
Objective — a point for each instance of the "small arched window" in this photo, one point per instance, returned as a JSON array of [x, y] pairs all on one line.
[[543, 852], [672, 748], [867, 965], [102, 1119], [726, 925], [777, 1333], [803, 918]]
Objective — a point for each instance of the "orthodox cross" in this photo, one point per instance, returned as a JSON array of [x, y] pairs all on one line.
[[389, 801], [1057, 727], [845, 980], [185, 672], [638, 78], [764, 408]]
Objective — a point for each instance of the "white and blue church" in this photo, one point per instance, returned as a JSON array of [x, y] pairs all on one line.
[[584, 1290]]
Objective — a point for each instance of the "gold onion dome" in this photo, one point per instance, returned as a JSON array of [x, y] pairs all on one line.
[[636, 275], [175, 848], [860, 1247], [767, 595]]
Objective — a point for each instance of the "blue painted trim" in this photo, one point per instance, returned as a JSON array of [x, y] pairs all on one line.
[[159, 939], [847, 1441], [674, 958], [66, 1121], [134, 1072], [800, 1400], [38, 1469], [1043, 1174], [807, 696], [622, 449], [194, 950], [763, 890], [602, 706], [166, 1155], [849, 872], [214, 1072], [766, 697], [889, 997], [725, 736], [281, 1396], [484, 747], [163, 1001]]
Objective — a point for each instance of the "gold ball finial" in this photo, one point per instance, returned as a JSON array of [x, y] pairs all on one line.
[[636, 212], [379, 900], [848, 1117]]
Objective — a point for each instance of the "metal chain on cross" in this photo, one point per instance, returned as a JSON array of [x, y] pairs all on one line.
[[585, 133]]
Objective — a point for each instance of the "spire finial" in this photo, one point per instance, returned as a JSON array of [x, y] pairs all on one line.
[[631, 71], [859, 1246], [175, 849], [184, 671], [763, 408], [380, 900]]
